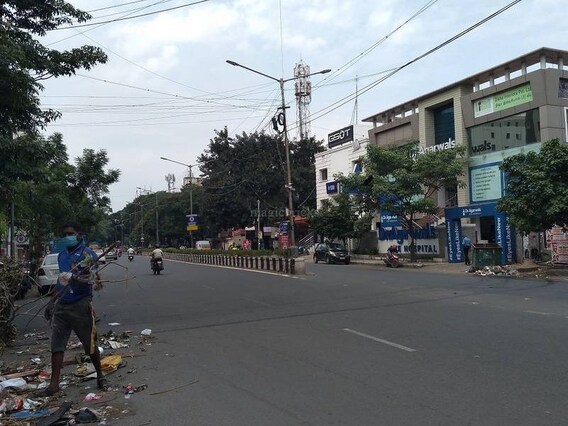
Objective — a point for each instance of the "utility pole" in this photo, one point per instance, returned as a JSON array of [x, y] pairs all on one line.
[[156, 194], [289, 187], [190, 166], [258, 224]]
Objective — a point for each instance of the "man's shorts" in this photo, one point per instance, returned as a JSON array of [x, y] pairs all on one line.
[[78, 317]]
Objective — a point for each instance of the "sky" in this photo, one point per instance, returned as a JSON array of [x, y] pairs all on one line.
[[167, 88]]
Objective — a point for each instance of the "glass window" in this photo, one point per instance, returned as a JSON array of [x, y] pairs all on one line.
[[444, 126], [357, 167], [527, 131], [323, 174]]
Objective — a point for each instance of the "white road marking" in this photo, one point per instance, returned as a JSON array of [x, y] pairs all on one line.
[[376, 339], [206, 286], [538, 313]]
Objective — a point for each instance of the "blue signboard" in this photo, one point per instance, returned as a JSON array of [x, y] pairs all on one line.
[[504, 232], [192, 222], [388, 220], [332, 187], [284, 227]]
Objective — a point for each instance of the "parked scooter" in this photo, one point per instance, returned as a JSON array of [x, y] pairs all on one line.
[[157, 266], [392, 259]]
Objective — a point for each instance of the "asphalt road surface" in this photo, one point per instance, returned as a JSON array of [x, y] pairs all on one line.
[[344, 345]]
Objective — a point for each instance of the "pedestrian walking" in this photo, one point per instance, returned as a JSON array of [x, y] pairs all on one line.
[[466, 244], [71, 306]]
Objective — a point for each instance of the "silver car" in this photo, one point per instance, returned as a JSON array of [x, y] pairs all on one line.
[[47, 273]]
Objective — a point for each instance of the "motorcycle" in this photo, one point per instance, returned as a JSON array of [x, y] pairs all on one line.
[[157, 266], [130, 257], [25, 283], [392, 260]]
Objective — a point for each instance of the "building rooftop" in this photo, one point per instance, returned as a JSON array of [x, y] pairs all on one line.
[[550, 56]]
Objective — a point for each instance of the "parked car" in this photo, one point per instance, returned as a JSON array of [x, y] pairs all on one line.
[[331, 253], [102, 259], [203, 245], [111, 255], [47, 273]]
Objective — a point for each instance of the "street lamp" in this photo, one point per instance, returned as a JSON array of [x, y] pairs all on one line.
[[190, 188], [156, 193], [281, 81]]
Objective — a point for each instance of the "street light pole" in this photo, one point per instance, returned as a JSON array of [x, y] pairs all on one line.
[[156, 194], [190, 166], [289, 187]]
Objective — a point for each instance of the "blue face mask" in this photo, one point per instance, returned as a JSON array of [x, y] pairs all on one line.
[[70, 241]]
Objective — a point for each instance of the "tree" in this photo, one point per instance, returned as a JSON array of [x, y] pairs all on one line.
[[537, 188], [25, 62], [403, 182], [337, 218], [57, 191], [243, 169]]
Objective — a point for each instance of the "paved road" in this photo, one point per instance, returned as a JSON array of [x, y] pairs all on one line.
[[345, 345]]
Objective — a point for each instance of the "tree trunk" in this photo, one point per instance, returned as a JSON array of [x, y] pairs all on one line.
[[411, 234]]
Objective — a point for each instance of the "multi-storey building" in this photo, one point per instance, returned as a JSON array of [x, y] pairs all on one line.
[[508, 109]]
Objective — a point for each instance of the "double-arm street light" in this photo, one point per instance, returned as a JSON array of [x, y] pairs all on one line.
[[281, 81], [156, 193], [190, 166]]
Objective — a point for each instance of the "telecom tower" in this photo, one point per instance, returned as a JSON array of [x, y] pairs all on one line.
[[303, 89]]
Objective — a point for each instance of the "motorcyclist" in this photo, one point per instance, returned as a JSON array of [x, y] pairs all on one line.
[[157, 254], [392, 251]]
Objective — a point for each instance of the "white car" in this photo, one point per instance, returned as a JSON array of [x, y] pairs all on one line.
[[47, 273], [101, 259]]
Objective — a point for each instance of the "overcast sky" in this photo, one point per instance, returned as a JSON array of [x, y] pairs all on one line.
[[175, 88]]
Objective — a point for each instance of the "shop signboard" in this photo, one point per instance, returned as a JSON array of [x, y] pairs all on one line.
[[339, 137], [454, 236], [500, 101], [486, 183], [389, 220], [283, 241], [283, 227]]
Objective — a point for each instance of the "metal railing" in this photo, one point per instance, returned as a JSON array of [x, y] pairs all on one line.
[[261, 263]]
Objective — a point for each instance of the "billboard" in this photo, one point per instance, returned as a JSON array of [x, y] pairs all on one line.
[[500, 101], [192, 222], [339, 137]]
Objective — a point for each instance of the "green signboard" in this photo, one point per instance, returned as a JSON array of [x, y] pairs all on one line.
[[507, 99]]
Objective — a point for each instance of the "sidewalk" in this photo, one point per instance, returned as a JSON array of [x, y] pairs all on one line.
[[526, 269]]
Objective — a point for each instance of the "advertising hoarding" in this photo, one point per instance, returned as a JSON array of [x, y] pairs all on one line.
[[339, 137], [500, 101]]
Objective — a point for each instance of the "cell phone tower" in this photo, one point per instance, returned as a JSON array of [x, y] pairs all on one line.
[[303, 91]]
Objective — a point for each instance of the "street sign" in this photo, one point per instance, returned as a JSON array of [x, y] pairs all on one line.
[[192, 222]]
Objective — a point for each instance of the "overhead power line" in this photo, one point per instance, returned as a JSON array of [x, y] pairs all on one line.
[[115, 6], [131, 17], [330, 108]]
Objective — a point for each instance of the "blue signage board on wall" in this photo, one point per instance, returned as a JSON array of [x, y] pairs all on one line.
[[388, 220], [283, 227], [332, 187]]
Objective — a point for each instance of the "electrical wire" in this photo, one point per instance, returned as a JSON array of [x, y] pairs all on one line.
[[131, 17], [115, 6], [330, 108], [360, 56]]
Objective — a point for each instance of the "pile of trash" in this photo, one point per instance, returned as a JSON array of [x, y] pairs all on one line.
[[28, 372], [497, 270]]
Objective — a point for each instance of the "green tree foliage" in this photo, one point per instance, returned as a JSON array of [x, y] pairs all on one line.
[[249, 167], [537, 188], [337, 218], [403, 182], [56, 191], [25, 62]]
